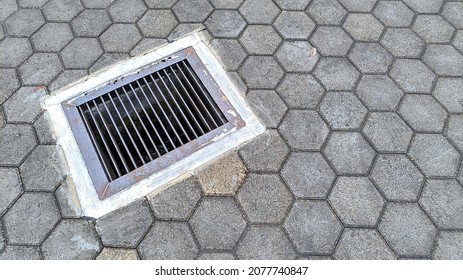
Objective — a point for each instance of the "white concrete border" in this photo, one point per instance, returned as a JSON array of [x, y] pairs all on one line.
[[90, 203]]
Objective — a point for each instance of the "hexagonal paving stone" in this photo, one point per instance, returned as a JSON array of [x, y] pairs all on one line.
[[101, 4], [222, 4], [407, 229], [157, 23], [261, 72], [260, 39], [397, 178], [430, 6], [117, 254], [128, 11], [303, 129], [91, 23], [452, 12], [388, 132], [10, 187], [217, 223], [264, 198], [292, 4], [454, 130], [229, 52], [106, 60], [362, 244], [444, 60], [13, 51], [266, 153], [412, 75], [192, 10], [267, 105], [52, 37], [442, 200], [331, 41], [177, 201], [359, 5], [40, 69], [31, 218], [8, 7], [225, 23], [8, 83], [434, 155], [448, 93], [17, 141], [342, 110], [313, 227], [25, 104], [297, 56], [81, 53], [337, 73], [433, 28], [2, 239], [308, 175], [379, 92], [363, 27], [349, 153], [449, 246], [167, 241], [326, 11], [68, 201], [458, 40], [147, 45], [423, 113], [66, 78], [72, 240], [24, 22], [265, 242], [215, 256], [370, 58], [403, 42], [120, 38], [267, 11], [62, 10], [20, 253], [125, 226], [300, 91], [184, 29], [394, 14], [294, 25]]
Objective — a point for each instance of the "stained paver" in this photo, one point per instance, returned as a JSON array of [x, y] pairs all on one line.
[[17, 142], [454, 131], [403, 42], [447, 92], [127, 11], [370, 58], [412, 75], [68, 200], [394, 13], [10, 187], [192, 10], [342, 110], [362, 244], [423, 113], [294, 25], [300, 91], [25, 104], [260, 39], [449, 246], [346, 74], [24, 22], [444, 60], [379, 92], [267, 11], [265, 242], [62, 10], [267, 105], [326, 11], [52, 37], [433, 28], [225, 23], [363, 27]]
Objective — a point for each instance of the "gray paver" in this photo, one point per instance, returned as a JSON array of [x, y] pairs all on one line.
[[434, 155], [454, 130], [184, 29], [308, 175], [66, 78], [120, 38], [229, 51], [101, 4], [430, 6], [167, 241], [117, 254], [146, 45], [128, 11], [40, 69], [403, 43], [297, 56], [300, 91], [264, 198], [224, 4], [356, 201], [313, 227], [62, 10], [358, 5], [397, 178], [68, 201], [81, 53], [394, 14], [125, 226], [225, 23], [453, 13], [331, 41], [423, 113], [17, 142], [458, 40], [444, 60], [304, 129], [412, 75], [8, 83], [449, 246], [10, 187], [266, 153], [20, 253], [342, 110], [448, 93], [91, 23], [261, 72], [379, 92], [2, 238], [433, 28], [362, 244], [31, 217], [157, 23], [24, 22], [442, 200], [337, 73], [52, 37], [326, 11], [349, 153], [13, 51], [2, 118], [72, 240], [8, 7], [267, 105], [106, 60], [177, 201], [260, 39], [192, 10], [294, 25], [388, 132], [24, 105], [407, 229], [267, 11], [265, 242], [292, 4], [363, 27], [217, 223], [370, 58], [215, 256], [2, 35]]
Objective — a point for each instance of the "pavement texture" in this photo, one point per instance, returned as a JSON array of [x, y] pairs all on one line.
[[363, 101]]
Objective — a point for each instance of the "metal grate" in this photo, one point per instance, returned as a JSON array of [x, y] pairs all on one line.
[[162, 112]]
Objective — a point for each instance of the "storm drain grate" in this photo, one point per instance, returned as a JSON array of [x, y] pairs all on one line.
[[144, 122]]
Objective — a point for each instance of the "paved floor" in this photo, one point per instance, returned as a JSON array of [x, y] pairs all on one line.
[[362, 159]]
